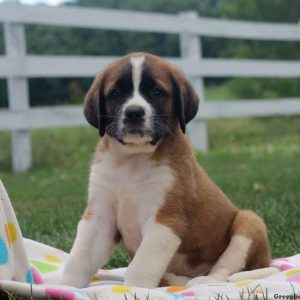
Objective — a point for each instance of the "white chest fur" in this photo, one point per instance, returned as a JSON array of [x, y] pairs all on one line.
[[136, 189]]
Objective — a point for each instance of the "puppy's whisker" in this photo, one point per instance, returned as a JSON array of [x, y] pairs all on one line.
[[111, 127]]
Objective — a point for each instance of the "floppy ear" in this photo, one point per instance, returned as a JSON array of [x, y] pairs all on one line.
[[94, 105], [186, 99]]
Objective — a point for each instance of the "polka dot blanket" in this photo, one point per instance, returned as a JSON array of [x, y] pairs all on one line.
[[29, 268]]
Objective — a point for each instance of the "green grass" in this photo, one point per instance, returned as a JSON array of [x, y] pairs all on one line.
[[219, 92]]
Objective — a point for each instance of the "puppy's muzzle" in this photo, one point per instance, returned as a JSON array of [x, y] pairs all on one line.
[[134, 119]]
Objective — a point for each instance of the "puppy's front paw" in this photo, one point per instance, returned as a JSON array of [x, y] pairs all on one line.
[[205, 280]]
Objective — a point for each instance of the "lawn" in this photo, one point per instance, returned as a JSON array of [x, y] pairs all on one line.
[[256, 162]]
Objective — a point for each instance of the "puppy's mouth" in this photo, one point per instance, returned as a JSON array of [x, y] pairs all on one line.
[[138, 133], [135, 131], [135, 135]]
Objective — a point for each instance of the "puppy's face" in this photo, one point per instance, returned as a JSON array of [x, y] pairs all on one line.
[[140, 99]]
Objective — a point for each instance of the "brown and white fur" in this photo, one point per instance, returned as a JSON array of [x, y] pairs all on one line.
[[147, 190]]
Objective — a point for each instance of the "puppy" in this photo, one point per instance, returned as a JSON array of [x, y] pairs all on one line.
[[147, 190]]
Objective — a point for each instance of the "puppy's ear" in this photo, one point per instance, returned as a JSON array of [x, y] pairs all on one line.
[[186, 99], [94, 105]]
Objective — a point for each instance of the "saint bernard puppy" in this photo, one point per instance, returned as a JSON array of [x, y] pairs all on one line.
[[147, 190]]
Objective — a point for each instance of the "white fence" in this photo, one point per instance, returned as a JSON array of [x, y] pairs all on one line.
[[16, 66]]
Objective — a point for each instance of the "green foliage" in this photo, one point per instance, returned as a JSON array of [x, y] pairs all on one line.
[[70, 41], [249, 88], [57, 91], [204, 7], [257, 10], [235, 48], [218, 92]]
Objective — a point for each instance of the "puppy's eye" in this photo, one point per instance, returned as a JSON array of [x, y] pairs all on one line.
[[116, 92], [156, 90]]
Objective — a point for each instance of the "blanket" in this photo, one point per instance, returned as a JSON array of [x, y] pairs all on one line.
[[29, 268]]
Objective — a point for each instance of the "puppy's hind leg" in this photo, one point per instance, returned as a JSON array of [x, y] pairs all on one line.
[[248, 249]]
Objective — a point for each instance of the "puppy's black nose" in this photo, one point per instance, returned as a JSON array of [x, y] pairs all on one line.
[[134, 112]]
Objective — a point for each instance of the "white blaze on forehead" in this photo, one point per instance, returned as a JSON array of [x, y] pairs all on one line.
[[137, 99], [137, 67]]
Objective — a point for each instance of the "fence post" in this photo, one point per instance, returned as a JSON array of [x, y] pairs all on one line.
[[190, 48], [18, 94]]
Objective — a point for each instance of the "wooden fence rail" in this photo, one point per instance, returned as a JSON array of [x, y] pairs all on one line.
[[17, 66]]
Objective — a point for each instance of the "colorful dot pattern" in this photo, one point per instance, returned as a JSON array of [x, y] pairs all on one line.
[[52, 258], [243, 283], [59, 293], [13, 258], [121, 289], [29, 276], [11, 233], [44, 267], [178, 292], [3, 252], [37, 278], [293, 275]]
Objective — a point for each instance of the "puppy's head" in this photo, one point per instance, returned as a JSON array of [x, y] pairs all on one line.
[[140, 98]]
